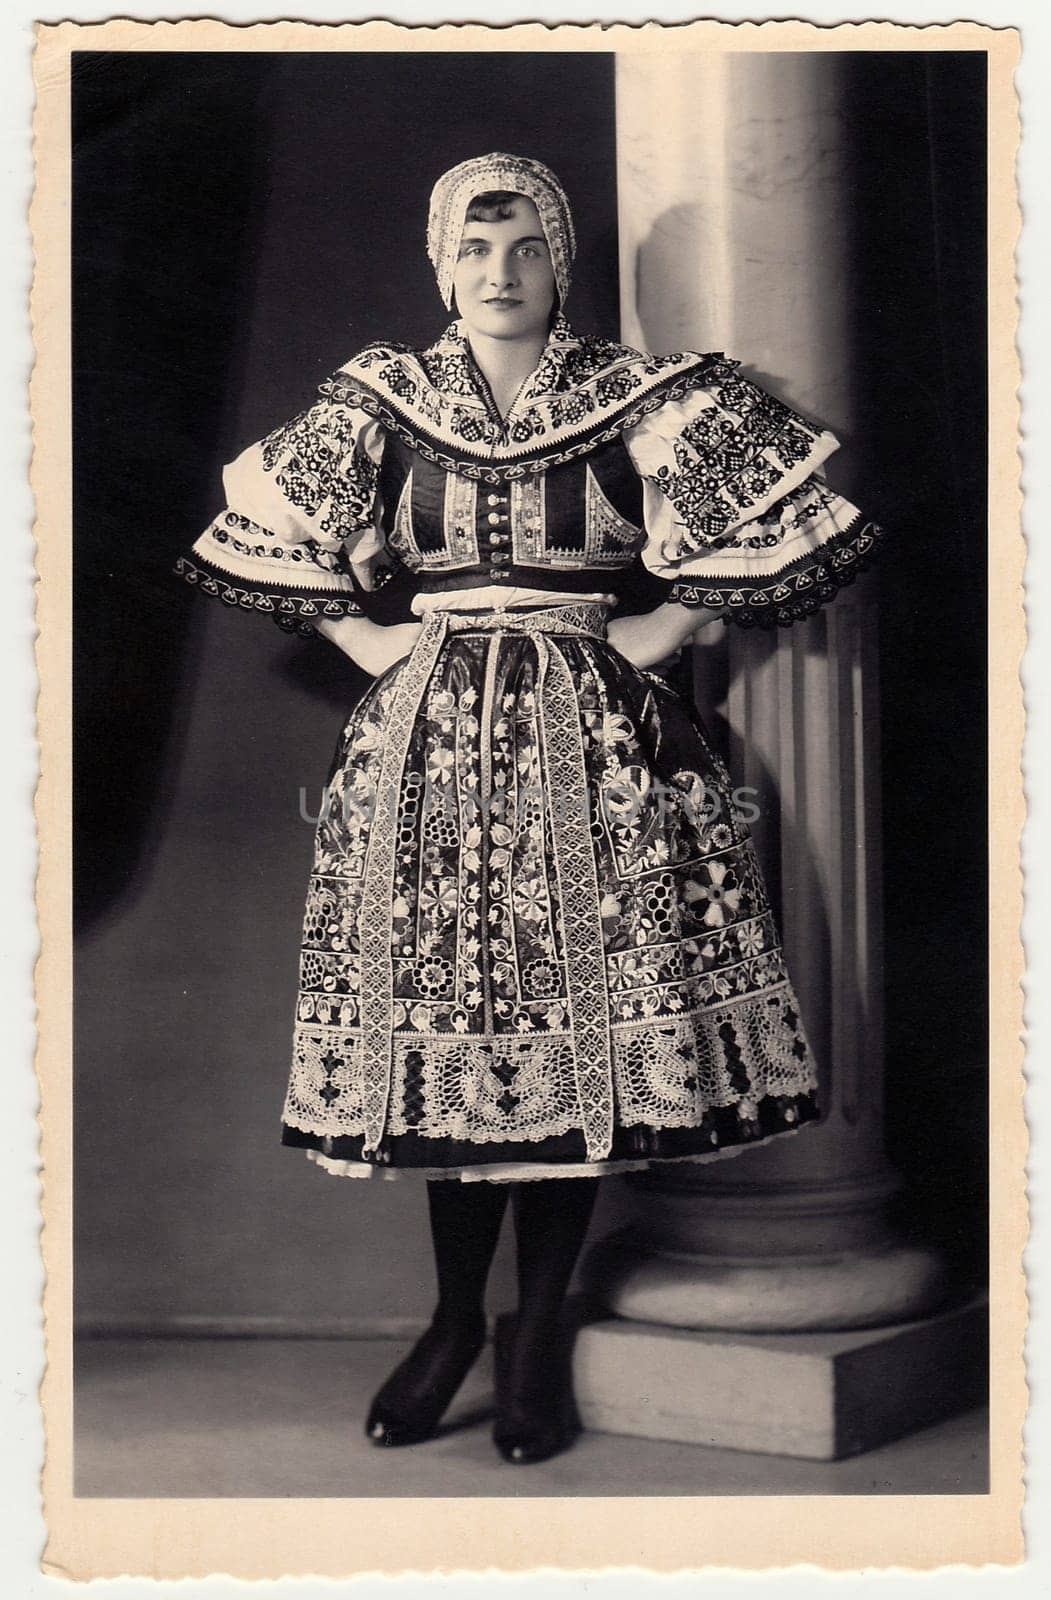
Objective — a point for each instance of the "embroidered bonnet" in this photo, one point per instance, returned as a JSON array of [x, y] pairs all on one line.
[[454, 191]]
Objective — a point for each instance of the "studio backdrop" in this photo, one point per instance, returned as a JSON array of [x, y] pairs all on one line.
[[242, 224]]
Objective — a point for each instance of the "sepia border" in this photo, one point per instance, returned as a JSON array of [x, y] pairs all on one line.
[[270, 1539]]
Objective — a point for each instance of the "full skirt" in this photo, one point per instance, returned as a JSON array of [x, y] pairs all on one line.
[[537, 939]]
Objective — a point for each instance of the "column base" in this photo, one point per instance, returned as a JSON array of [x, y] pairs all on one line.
[[820, 1396], [847, 1289]]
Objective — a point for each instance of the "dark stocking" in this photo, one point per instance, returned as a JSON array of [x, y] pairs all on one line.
[[465, 1223], [465, 1226], [551, 1221]]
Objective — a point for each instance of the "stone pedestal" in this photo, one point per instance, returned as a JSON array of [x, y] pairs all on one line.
[[821, 1396], [734, 211]]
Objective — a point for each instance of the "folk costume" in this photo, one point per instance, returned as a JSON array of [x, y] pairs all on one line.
[[537, 940]]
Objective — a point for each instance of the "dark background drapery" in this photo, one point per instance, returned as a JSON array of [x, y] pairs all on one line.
[[242, 224], [916, 146]]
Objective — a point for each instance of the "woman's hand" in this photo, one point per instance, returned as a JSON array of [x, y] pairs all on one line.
[[654, 635], [370, 645]]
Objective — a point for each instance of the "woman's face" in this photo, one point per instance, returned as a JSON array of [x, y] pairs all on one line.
[[504, 281]]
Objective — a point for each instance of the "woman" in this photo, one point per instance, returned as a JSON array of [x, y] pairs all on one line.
[[537, 942]]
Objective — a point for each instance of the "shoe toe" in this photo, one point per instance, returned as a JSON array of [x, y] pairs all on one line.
[[534, 1447], [389, 1432]]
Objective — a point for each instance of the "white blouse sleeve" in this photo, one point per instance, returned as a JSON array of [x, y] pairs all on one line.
[[738, 516], [300, 534]]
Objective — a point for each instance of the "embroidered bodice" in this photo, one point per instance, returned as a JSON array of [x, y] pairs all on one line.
[[607, 455], [581, 517]]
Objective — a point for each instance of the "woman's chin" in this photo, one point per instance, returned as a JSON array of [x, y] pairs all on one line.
[[511, 324]]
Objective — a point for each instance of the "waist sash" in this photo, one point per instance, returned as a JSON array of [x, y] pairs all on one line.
[[577, 580]]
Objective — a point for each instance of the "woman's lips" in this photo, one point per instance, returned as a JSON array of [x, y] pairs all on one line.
[[503, 304]]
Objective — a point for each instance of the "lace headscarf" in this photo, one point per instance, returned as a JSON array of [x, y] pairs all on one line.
[[454, 191]]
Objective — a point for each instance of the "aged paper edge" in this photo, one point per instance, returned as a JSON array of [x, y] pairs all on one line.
[[260, 1539]]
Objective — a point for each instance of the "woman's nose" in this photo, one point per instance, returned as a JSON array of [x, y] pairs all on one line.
[[501, 271]]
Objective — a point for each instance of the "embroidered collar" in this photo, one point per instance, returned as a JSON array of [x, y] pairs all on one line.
[[583, 389], [452, 369]]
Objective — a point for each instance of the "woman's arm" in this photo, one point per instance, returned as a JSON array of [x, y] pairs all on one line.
[[370, 645], [653, 635]]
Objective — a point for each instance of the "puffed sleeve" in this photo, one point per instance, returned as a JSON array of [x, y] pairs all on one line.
[[300, 534], [739, 518]]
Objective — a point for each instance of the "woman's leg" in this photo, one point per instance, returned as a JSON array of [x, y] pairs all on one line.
[[465, 1227], [551, 1221], [465, 1223]]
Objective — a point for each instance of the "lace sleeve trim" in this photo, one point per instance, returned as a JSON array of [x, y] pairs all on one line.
[[796, 592], [295, 613]]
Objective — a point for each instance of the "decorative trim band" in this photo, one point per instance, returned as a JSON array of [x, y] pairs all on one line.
[[793, 594], [295, 613], [574, 441]]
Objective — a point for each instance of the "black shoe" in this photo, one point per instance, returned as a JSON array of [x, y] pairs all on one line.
[[536, 1417], [409, 1406]]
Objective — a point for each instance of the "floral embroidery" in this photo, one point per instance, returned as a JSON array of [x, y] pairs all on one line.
[[719, 893], [584, 391], [492, 985], [316, 463], [728, 459]]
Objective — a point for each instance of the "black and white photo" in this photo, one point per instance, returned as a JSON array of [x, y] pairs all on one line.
[[530, 574]]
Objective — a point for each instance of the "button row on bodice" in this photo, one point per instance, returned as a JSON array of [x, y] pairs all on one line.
[[498, 518]]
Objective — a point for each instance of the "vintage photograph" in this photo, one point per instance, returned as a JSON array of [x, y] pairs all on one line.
[[529, 579]]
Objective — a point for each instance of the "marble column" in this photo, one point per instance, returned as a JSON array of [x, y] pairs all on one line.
[[734, 210]]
